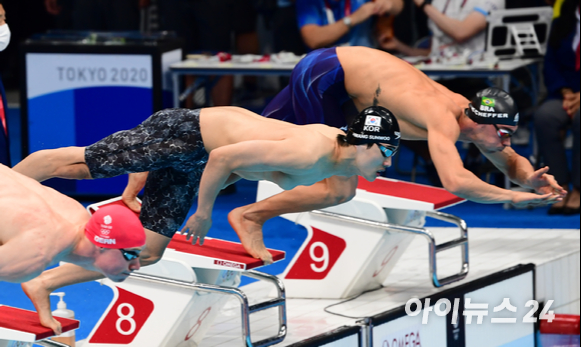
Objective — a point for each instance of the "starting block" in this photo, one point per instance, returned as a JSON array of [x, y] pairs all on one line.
[[21, 328], [174, 302], [352, 247]]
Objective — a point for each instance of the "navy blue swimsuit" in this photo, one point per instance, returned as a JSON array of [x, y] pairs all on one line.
[[316, 92]]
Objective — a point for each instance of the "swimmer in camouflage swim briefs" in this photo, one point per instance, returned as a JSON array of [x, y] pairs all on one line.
[[168, 144], [206, 150]]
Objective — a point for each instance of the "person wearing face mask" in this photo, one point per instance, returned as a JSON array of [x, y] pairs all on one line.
[[4, 30], [4, 41]]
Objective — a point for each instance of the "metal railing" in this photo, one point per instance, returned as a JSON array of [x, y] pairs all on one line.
[[245, 308], [50, 343], [434, 248]]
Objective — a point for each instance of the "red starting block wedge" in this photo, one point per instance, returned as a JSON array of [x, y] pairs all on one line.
[[219, 253], [438, 197], [562, 324], [23, 325]]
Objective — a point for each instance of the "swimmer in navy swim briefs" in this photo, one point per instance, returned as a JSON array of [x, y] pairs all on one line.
[[169, 145], [316, 93]]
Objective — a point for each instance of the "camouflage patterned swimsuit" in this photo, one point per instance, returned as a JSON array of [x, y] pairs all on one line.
[[169, 145]]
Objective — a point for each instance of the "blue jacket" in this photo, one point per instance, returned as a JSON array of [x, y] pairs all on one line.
[[314, 12]]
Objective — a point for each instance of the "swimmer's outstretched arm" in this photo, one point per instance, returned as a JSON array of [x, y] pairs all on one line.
[[520, 171], [329, 192], [251, 157], [463, 183]]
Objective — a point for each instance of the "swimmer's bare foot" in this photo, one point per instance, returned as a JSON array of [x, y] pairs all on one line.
[[250, 234], [40, 297]]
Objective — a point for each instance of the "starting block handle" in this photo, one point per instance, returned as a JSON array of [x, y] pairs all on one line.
[[279, 302], [50, 343], [462, 242], [245, 308], [433, 247]]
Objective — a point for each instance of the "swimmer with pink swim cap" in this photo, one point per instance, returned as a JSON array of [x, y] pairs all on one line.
[[115, 227], [42, 227], [111, 228]]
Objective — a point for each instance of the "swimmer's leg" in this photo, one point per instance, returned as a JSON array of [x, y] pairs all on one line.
[[248, 220], [66, 162], [38, 290]]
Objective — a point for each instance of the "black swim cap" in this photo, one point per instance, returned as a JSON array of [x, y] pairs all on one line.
[[493, 106], [375, 124]]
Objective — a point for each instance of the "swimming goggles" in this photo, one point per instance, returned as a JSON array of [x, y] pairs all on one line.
[[387, 151], [503, 133], [129, 255]]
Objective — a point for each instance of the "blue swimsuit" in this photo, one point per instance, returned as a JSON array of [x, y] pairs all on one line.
[[316, 93]]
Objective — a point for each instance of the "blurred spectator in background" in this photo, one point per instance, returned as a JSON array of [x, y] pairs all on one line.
[[61, 12], [4, 41], [96, 15], [286, 34], [208, 26], [327, 23], [560, 111], [456, 26]]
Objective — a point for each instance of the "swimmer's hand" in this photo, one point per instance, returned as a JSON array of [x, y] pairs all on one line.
[[134, 186], [522, 199], [197, 228], [543, 183], [132, 203]]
